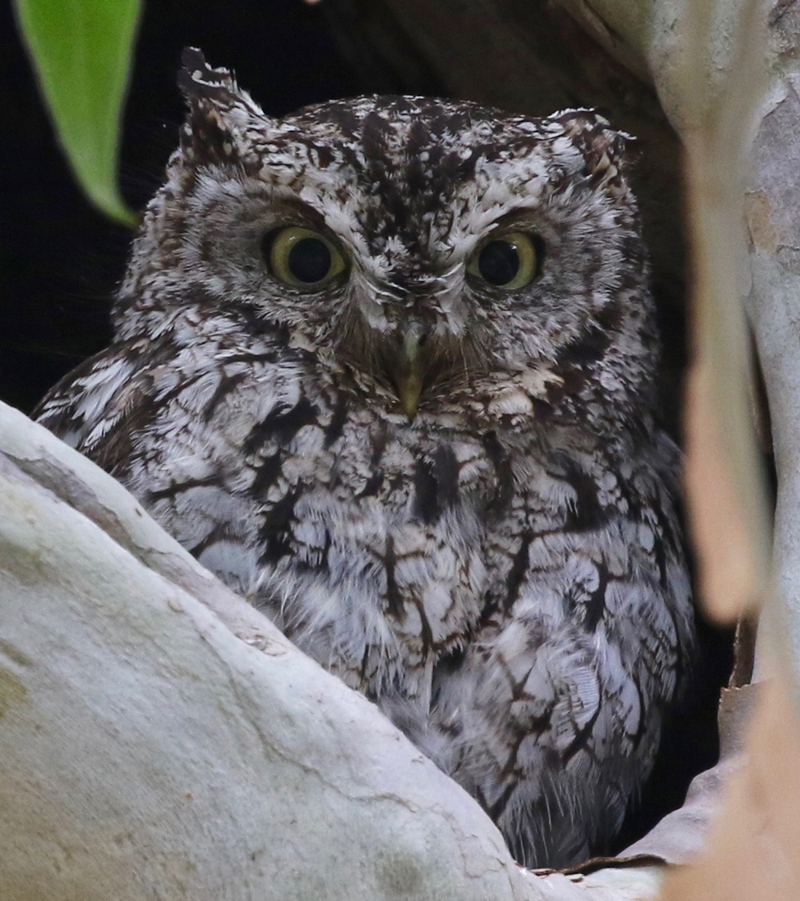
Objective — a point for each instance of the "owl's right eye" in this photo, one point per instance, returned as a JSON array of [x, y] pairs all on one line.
[[301, 257]]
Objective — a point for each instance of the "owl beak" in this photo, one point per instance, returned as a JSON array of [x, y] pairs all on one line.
[[408, 368]]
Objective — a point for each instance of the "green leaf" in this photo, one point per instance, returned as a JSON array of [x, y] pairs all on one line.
[[81, 50]]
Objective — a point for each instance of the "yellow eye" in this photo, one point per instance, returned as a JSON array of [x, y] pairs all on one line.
[[302, 258], [508, 261]]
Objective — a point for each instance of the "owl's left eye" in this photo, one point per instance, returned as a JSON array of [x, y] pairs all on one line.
[[301, 257], [508, 261]]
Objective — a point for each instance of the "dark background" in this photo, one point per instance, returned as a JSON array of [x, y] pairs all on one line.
[[60, 261]]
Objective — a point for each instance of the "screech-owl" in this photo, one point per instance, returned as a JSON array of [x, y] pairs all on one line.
[[387, 367]]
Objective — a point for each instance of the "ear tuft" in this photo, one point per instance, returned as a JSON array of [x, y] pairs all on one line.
[[199, 81], [219, 112], [608, 154]]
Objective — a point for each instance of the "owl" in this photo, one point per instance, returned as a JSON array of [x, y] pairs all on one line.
[[387, 367]]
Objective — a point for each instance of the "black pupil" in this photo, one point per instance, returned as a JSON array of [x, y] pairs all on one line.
[[498, 262], [309, 260]]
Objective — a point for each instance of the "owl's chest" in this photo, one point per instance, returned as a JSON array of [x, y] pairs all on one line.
[[364, 538], [374, 546]]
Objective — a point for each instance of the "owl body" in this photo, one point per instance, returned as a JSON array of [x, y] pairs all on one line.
[[446, 488]]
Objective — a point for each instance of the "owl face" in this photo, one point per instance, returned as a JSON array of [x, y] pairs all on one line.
[[433, 257]]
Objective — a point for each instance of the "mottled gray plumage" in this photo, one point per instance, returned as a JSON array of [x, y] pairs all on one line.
[[498, 561]]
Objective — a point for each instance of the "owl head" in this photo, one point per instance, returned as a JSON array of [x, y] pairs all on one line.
[[440, 260]]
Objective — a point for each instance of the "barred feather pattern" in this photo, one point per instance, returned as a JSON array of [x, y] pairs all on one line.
[[503, 572]]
